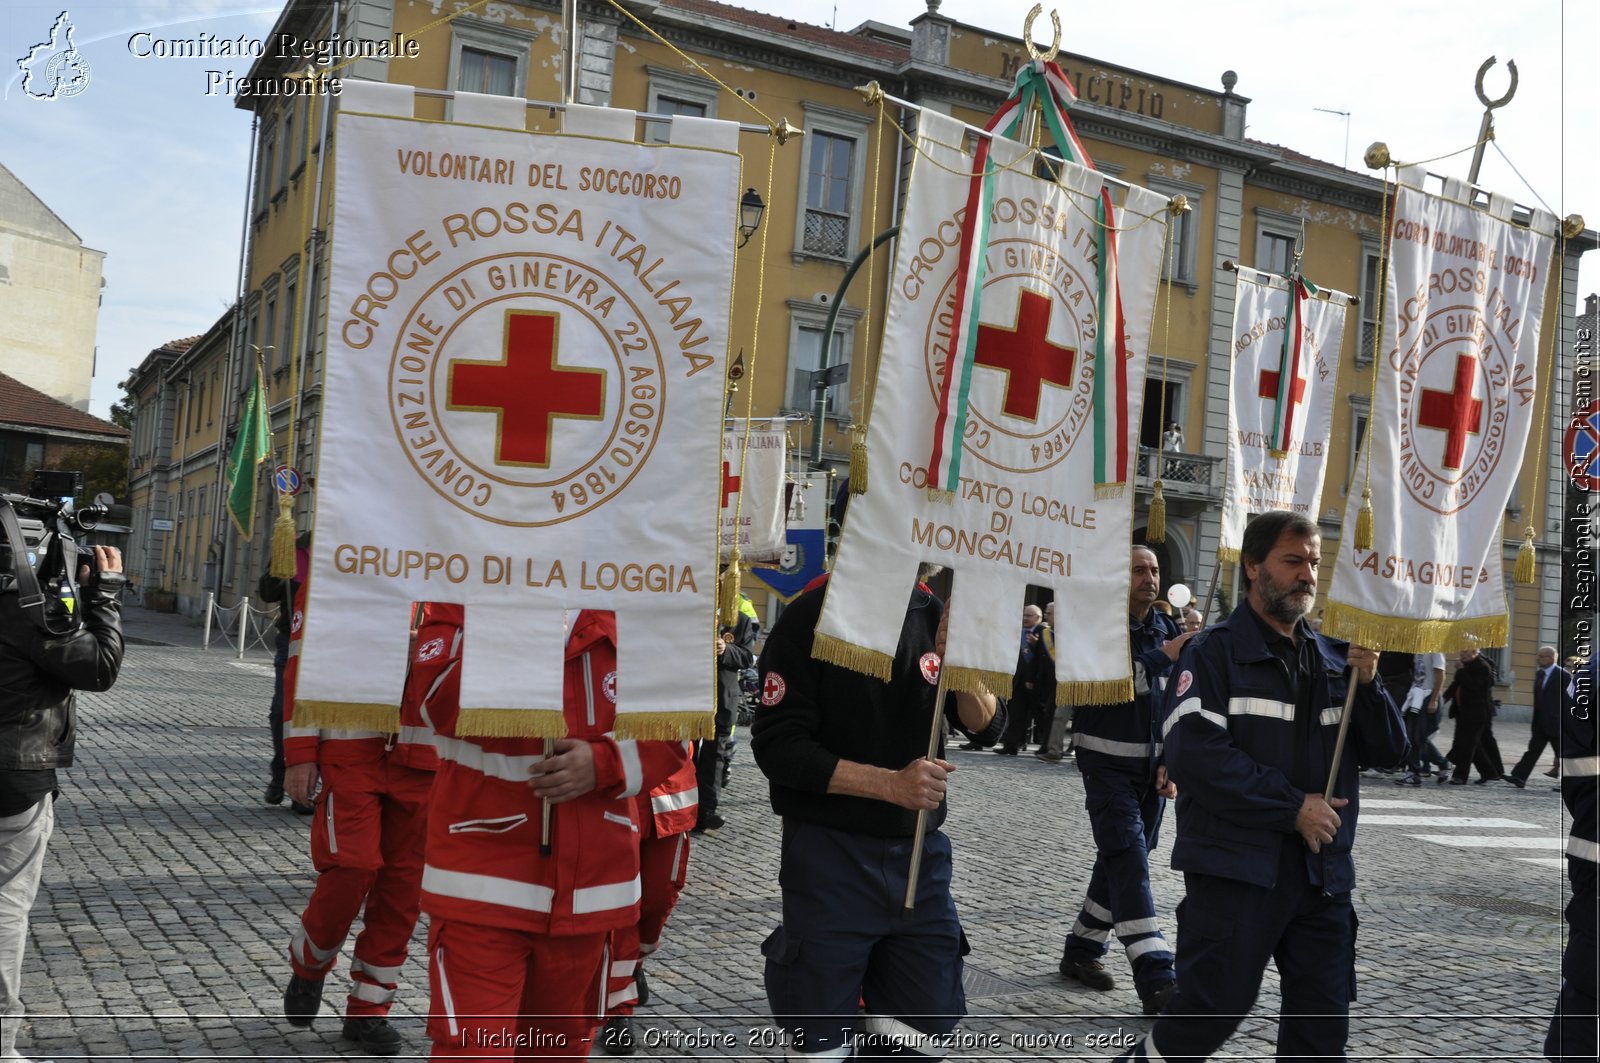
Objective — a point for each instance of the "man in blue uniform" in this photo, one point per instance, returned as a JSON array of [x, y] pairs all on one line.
[[1572, 1029], [1125, 787], [1254, 713]]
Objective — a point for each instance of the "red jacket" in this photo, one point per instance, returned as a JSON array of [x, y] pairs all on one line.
[[434, 658], [675, 804], [483, 860]]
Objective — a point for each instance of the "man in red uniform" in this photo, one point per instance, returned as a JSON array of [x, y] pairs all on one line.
[[668, 815], [367, 836], [518, 937]]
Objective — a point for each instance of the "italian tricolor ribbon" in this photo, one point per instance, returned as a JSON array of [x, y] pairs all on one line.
[[1043, 84], [1290, 385]]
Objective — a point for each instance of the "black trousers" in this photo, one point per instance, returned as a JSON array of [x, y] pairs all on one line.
[[708, 756], [1475, 745], [280, 658], [1536, 743]]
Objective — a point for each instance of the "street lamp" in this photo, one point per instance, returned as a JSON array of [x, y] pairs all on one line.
[[750, 210]]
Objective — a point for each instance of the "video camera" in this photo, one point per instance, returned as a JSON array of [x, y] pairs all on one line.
[[43, 537]]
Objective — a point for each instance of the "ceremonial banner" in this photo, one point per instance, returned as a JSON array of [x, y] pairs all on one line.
[[752, 494], [526, 345], [1463, 302], [805, 555], [250, 449], [1026, 509], [1278, 429]]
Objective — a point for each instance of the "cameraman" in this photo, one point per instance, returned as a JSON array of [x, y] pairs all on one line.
[[38, 673]]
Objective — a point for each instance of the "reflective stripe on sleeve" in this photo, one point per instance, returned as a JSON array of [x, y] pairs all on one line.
[[673, 802], [1583, 849], [1189, 708], [632, 770], [607, 898], [495, 765], [1576, 766]]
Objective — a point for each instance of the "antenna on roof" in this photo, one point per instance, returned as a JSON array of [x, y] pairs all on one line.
[[1346, 116]]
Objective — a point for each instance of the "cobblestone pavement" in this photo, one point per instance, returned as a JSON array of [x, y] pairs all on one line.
[[171, 890]]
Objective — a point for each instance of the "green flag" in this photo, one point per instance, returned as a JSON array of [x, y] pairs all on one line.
[[250, 449]]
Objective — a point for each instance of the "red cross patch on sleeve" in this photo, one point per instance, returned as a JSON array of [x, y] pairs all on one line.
[[930, 667], [773, 689], [1185, 681]]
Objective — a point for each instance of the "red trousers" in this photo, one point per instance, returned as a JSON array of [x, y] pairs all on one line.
[[663, 869], [366, 843], [498, 993]]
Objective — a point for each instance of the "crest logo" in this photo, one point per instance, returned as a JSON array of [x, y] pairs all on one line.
[[1185, 681], [773, 688], [1033, 369], [929, 664], [608, 687], [430, 649], [55, 69], [526, 388], [1457, 383]]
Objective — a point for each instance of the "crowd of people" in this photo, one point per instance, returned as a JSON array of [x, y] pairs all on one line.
[[549, 867]]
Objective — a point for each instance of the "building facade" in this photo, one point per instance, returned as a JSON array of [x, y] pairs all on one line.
[[49, 297], [830, 192]]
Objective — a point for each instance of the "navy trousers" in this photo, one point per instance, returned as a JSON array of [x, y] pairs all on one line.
[[1572, 1029], [843, 944], [1227, 931], [1125, 815]]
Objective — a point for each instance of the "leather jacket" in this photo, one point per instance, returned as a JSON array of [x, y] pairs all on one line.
[[39, 672]]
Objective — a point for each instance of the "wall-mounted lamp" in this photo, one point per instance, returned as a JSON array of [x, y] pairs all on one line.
[[751, 208]]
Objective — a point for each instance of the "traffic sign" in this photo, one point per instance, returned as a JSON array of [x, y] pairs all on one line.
[[1582, 449], [286, 480]]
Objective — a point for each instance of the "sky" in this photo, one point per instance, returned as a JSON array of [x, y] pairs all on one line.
[[148, 162]]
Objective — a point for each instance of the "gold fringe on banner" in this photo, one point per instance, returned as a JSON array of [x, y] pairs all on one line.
[[1155, 525], [511, 723], [282, 566], [1363, 537], [1107, 491], [858, 461], [977, 681], [1095, 692], [1343, 621], [856, 658], [664, 726], [1527, 566], [347, 716], [1228, 555], [728, 599]]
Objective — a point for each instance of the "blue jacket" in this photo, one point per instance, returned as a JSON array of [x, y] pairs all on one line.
[[1130, 732], [1230, 747]]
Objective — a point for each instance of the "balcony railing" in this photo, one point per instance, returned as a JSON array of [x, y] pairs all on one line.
[[1193, 475]]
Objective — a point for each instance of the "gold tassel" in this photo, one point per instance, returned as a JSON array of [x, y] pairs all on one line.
[[1527, 565], [977, 680], [729, 600], [1364, 521], [283, 539], [1155, 526], [858, 461]]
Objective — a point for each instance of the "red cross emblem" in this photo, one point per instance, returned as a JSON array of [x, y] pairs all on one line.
[[1269, 387], [773, 688], [730, 484], [526, 389], [1454, 412], [1026, 356]]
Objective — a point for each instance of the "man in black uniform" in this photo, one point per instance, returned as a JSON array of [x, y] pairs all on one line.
[[1572, 1029], [1252, 721], [846, 758]]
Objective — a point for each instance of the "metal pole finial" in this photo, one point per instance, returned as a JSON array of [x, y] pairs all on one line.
[[1050, 53]]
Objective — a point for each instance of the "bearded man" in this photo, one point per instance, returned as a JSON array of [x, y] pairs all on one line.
[[1253, 716]]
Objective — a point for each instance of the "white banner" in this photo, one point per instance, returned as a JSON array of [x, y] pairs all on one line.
[[1258, 478], [1027, 511], [527, 335], [1463, 302], [752, 494]]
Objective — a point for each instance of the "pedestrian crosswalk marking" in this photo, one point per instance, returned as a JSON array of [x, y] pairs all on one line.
[[1375, 802], [1480, 822], [1489, 841], [1543, 861]]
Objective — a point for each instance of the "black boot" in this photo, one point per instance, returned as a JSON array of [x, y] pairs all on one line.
[[373, 1033], [302, 1000]]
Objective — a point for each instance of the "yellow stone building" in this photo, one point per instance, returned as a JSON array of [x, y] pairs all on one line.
[[826, 194]]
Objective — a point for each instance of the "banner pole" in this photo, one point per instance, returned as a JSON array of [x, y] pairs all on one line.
[[211, 604], [244, 624], [922, 814], [1344, 730]]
